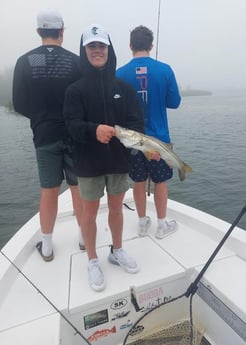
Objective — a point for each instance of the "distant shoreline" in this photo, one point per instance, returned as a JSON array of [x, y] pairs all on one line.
[[193, 92]]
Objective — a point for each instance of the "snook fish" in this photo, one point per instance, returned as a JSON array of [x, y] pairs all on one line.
[[147, 144]]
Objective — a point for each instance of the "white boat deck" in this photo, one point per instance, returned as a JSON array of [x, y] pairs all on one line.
[[172, 262]]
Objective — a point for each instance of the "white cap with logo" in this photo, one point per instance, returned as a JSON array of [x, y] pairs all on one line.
[[95, 33], [50, 19]]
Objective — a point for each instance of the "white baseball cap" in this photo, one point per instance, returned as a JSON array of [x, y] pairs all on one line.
[[50, 19], [95, 33]]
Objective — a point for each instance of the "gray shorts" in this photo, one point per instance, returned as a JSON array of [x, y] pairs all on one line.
[[55, 164], [92, 188]]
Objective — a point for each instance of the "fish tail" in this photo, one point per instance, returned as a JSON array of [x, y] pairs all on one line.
[[181, 173], [187, 168]]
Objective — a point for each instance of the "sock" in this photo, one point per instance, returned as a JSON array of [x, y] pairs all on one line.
[[115, 251], [93, 261], [46, 244], [142, 220], [161, 221]]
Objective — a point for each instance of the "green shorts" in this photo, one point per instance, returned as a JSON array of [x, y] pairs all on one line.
[[55, 164], [92, 188]]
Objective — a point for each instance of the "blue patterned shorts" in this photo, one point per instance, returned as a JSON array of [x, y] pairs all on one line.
[[142, 168]]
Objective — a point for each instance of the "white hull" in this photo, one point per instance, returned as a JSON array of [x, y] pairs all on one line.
[[168, 267]]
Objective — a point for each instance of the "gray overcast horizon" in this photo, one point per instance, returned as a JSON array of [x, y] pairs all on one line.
[[203, 40]]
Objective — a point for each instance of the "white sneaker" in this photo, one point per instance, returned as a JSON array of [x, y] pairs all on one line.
[[167, 228], [143, 228], [121, 258], [96, 277]]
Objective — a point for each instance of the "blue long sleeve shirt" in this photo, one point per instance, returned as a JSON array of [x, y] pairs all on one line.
[[157, 90]]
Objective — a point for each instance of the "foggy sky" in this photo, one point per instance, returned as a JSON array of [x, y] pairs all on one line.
[[203, 40]]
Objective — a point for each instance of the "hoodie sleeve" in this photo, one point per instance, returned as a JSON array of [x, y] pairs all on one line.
[[79, 129]]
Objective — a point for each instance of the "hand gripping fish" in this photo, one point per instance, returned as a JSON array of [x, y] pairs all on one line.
[[147, 144]]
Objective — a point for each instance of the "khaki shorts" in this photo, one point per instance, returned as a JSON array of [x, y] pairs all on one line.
[[92, 188]]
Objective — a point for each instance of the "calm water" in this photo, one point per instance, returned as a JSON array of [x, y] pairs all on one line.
[[208, 132]]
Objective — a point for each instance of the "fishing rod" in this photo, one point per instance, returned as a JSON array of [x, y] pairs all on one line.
[[46, 298], [158, 29], [190, 292]]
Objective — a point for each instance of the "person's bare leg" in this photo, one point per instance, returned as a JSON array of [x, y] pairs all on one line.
[[77, 206], [47, 213], [77, 203], [89, 228], [164, 227], [48, 208], [160, 198], [115, 218], [139, 194]]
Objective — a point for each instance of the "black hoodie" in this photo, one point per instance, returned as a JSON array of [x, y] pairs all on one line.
[[100, 98]]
